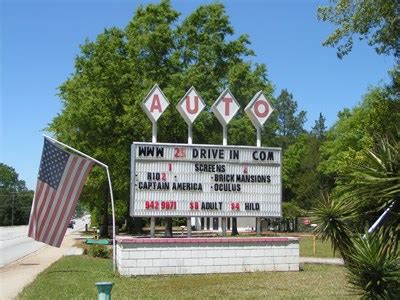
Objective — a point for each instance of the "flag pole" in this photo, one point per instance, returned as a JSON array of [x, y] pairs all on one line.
[[109, 184]]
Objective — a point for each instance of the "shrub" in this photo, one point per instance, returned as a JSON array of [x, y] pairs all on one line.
[[98, 251]]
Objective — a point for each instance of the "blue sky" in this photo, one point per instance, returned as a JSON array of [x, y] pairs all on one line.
[[40, 39]]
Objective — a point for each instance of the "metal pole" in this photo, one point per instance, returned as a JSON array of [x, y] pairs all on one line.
[[152, 227], [224, 135], [153, 219], [258, 220], [189, 219], [190, 134], [372, 228], [12, 216], [258, 137], [113, 217], [224, 143], [109, 184], [154, 133]]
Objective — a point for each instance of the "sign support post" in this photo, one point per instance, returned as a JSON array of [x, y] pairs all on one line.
[[190, 111], [258, 111], [225, 108], [154, 105]]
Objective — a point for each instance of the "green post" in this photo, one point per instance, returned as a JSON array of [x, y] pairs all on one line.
[[104, 290]]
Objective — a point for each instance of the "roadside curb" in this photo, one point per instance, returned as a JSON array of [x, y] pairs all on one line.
[[322, 261]]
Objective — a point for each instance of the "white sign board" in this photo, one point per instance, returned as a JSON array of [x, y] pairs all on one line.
[[205, 180], [190, 106], [155, 103], [225, 107], [258, 109]]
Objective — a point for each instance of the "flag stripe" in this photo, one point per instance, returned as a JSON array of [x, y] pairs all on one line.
[[85, 173], [63, 210], [50, 196], [32, 225], [43, 202], [53, 208], [69, 206]]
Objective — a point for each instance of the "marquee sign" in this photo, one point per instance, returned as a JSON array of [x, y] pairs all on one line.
[[205, 180]]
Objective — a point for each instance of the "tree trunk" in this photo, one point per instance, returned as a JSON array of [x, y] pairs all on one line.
[[104, 212], [168, 227], [234, 227]]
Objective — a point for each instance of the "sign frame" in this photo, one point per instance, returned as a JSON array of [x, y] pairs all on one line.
[[277, 163]]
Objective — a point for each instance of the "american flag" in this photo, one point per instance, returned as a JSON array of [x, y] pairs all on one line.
[[60, 182]]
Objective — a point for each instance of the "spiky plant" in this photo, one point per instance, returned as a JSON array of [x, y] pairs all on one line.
[[333, 217], [373, 272], [375, 186]]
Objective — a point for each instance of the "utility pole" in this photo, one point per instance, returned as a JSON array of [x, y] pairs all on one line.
[[12, 214]]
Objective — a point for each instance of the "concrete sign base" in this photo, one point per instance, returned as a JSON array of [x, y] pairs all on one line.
[[155, 256]]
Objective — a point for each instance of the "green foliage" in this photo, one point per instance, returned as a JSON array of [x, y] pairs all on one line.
[[290, 125], [333, 217], [374, 20], [291, 210], [9, 181], [302, 182], [373, 272], [15, 198], [100, 251], [319, 129], [356, 130]]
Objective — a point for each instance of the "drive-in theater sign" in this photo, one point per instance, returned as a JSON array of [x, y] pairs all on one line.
[[205, 180]]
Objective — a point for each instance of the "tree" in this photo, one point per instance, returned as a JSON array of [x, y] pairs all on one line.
[[290, 125], [9, 181], [357, 130], [319, 129], [374, 20], [302, 180], [102, 99], [15, 198]]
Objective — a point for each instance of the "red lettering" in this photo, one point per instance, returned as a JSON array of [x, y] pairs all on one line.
[[156, 104], [258, 112], [196, 105], [227, 101], [235, 206]]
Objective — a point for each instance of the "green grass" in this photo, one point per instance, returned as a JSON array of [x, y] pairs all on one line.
[[322, 249], [74, 277]]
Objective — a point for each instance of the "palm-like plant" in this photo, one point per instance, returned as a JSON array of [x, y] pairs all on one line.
[[334, 216], [373, 272], [376, 187]]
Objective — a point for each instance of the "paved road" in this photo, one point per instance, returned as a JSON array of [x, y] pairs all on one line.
[[15, 276], [15, 243]]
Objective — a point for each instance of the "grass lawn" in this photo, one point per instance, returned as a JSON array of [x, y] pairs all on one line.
[[322, 249], [75, 277]]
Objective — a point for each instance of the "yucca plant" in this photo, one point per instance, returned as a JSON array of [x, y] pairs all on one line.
[[333, 217], [375, 186], [373, 272]]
